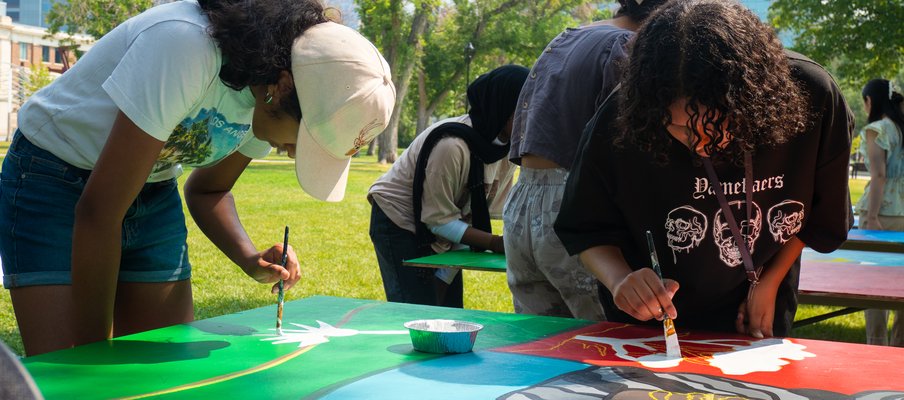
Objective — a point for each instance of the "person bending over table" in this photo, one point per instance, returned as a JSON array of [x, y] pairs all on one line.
[[92, 233], [569, 80], [882, 204], [732, 152], [443, 190]]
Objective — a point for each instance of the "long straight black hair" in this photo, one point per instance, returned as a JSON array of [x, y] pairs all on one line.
[[884, 101]]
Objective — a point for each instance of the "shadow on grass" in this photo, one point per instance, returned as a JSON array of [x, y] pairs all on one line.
[[828, 330]]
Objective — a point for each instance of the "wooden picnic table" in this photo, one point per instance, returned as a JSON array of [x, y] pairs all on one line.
[[869, 240], [852, 279]]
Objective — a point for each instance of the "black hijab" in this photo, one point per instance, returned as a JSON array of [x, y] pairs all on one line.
[[493, 98]]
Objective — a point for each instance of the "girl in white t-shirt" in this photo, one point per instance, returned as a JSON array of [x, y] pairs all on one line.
[[93, 237]]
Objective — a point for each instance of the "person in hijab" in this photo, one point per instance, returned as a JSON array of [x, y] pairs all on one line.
[[443, 190]]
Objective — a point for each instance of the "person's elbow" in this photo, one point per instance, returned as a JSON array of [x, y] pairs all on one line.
[[93, 211]]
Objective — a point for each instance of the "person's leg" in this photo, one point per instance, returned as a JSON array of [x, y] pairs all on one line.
[[531, 291], [543, 278], [154, 288], [877, 320], [393, 245], [38, 193], [876, 326], [897, 330], [896, 335], [574, 283], [451, 294], [145, 306], [44, 316]]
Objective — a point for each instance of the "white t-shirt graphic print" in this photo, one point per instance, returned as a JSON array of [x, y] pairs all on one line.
[[201, 141]]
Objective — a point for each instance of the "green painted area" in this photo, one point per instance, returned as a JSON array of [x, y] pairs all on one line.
[[225, 357], [464, 259]]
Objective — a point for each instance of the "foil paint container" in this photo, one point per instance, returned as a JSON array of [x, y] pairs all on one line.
[[442, 335]]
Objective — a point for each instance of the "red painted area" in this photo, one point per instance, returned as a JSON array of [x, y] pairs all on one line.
[[833, 278], [841, 367]]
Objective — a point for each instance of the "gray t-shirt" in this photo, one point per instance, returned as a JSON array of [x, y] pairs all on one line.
[[572, 76]]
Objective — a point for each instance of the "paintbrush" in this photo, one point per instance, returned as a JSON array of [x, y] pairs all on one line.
[[672, 348], [281, 296]]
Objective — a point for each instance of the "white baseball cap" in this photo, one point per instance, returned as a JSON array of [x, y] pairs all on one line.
[[346, 96]]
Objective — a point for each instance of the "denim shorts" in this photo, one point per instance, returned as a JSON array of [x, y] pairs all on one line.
[[38, 194]]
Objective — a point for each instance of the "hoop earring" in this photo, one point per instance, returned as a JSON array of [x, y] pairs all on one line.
[[269, 98]]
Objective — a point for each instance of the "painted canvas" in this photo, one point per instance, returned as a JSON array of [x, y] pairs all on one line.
[[337, 348]]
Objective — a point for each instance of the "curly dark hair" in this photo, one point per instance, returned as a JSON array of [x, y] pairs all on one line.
[[638, 12], [256, 37], [717, 55]]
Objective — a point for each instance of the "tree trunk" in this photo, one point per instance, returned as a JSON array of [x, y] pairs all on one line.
[[422, 116], [389, 139], [425, 106]]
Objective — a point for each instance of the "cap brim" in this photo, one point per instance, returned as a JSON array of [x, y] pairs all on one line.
[[320, 174]]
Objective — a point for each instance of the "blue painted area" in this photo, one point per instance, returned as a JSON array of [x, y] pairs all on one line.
[[477, 375], [873, 258], [882, 236]]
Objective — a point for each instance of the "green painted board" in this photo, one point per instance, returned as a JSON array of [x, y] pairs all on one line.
[[464, 259], [227, 356]]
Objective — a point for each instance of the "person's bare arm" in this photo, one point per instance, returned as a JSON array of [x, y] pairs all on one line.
[[756, 316], [639, 293], [477, 238], [208, 195], [121, 170], [877, 178]]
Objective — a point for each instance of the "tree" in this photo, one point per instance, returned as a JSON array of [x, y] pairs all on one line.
[[397, 27], [499, 33], [860, 39], [424, 41], [36, 78], [91, 17]]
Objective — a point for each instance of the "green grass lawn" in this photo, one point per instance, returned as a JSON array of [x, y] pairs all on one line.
[[336, 254]]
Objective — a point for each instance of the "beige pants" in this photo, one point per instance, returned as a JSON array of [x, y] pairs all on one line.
[[543, 278], [877, 332]]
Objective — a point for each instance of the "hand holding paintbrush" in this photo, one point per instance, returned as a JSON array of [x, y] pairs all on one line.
[[671, 336], [281, 296]]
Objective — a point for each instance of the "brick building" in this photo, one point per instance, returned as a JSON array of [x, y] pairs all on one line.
[[21, 47]]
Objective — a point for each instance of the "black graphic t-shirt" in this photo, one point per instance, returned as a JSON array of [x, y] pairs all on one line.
[[800, 188]]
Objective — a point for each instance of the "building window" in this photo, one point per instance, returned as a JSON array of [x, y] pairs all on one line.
[[23, 51], [12, 4], [45, 54], [58, 55], [14, 15]]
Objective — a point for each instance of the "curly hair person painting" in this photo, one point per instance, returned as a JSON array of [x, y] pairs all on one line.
[[732, 151], [89, 182]]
